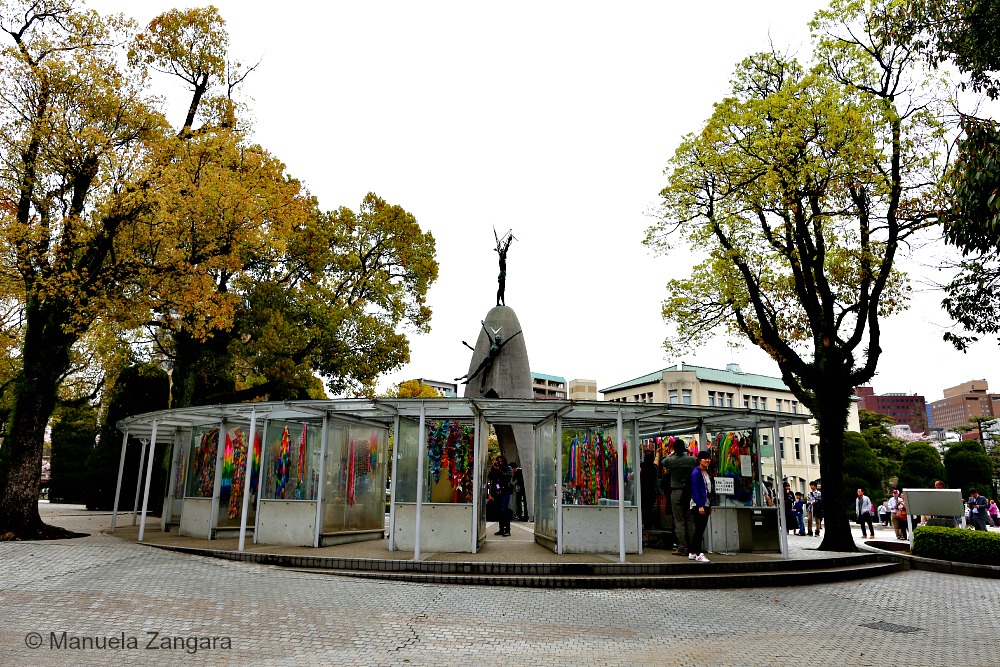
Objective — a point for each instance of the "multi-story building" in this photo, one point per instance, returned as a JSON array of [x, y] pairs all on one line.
[[547, 386], [798, 446], [908, 409], [963, 402], [583, 390], [445, 389]]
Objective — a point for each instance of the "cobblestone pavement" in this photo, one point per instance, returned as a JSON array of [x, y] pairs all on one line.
[[103, 587]]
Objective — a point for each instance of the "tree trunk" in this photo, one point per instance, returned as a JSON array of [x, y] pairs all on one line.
[[45, 357], [831, 408]]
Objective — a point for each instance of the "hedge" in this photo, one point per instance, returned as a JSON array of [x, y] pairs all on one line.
[[956, 544]]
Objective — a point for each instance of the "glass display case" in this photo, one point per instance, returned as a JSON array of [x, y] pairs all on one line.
[[291, 460], [355, 472]]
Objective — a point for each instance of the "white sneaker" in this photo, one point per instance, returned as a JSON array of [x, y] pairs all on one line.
[[701, 559], [691, 556]]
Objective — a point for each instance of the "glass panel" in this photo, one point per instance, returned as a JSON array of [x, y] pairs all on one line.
[[590, 467], [405, 452], [735, 456], [201, 463], [448, 467], [234, 466], [291, 462], [353, 493], [182, 445], [545, 479], [484, 475]]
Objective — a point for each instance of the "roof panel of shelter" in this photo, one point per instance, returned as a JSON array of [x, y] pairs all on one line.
[[663, 416]]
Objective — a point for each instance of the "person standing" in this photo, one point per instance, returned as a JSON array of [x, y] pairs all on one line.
[[701, 506], [978, 508], [814, 509], [893, 505], [994, 513], [798, 510], [904, 518], [647, 482], [863, 507], [679, 467], [789, 501], [505, 488]]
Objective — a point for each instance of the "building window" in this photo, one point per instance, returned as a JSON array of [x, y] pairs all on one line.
[[754, 402], [763, 440], [798, 449], [711, 398], [812, 454], [795, 407], [781, 447], [763, 403], [729, 400], [746, 402], [777, 404], [673, 395], [686, 395]]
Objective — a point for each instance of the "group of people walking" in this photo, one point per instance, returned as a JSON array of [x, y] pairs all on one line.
[[980, 512]]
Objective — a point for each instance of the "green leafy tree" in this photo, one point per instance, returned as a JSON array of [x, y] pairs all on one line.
[[265, 292], [921, 466], [888, 449], [966, 34], [861, 471], [800, 190], [968, 466]]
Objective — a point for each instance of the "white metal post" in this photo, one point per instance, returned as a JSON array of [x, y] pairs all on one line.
[[138, 478], [476, 481], [558, 489], [220, 453], [621, 489], [149, 475], [118, 487], [782, 526], [323, 441], [421, 455], [635, 475], [246, 478], [168, 509], [392, 484], [260, 479]]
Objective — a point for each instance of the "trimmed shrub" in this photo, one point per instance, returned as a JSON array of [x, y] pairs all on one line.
[[975, 547]]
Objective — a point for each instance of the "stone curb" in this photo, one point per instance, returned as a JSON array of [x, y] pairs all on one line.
[[579, 575], [939, 566]]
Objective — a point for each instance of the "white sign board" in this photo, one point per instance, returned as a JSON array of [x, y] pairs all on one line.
[[725, 486], [746, 466]]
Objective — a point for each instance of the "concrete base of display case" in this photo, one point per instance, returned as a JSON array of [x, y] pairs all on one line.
[[444, 527], [594, 529], [196, 518], [349, 536], [288, 522]]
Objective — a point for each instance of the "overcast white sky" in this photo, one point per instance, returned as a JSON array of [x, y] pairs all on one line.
[[555, 119]]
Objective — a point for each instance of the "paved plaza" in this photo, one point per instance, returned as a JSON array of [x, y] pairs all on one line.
[[104, 593]]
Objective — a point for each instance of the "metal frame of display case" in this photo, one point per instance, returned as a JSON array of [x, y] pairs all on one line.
[[645, 419]]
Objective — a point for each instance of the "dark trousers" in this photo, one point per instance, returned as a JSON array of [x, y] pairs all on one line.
[[699, 521], [505, 512], [866, 518], [679, 502]]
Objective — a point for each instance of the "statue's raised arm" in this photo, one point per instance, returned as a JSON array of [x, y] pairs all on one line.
[[503, 245]]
